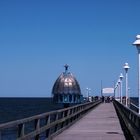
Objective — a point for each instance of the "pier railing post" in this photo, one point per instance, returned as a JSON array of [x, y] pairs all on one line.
[[56, 118], [0, 136], [48, 120], [37, 126], [21, 130]]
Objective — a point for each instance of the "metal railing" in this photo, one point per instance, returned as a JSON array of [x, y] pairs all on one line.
[[130, 118], [46, 125], [134, 105]]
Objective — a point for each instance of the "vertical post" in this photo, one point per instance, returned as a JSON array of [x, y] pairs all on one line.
[[126, 67], [139, 76], [119, 89], [48, 121], [116, 91], [37, 126], [56, 118], [126, 88], [20, 130], [88, 92], [121, 77], [137, 44], [139, 82], [101, 88], [0, 135]]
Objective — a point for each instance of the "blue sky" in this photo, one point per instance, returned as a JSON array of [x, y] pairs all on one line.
[[37, 37]]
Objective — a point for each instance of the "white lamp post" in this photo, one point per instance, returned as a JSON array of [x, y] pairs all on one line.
[[137, 44], [88, 91], [119, 89], [115, 91], [126, 67], [121, 77]]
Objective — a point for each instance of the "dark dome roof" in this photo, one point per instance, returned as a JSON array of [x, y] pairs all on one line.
[[66, 83]]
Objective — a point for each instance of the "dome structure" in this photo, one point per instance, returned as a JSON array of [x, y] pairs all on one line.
[[66, 89]]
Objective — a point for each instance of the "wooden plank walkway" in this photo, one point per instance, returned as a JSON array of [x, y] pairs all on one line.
[[100, 124]]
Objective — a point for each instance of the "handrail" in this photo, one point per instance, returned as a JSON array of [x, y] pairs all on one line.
[[134, 105], [130, 118], [47, 124]]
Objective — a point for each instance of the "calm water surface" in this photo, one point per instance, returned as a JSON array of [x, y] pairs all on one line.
[[18, 108]]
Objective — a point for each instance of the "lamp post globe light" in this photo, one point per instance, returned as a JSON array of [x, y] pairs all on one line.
[[126, 67], [121, 77], [137, 44]]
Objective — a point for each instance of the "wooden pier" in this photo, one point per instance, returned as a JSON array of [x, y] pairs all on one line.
[[101, 123]]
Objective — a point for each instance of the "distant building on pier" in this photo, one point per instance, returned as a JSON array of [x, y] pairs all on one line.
[[66, 89]]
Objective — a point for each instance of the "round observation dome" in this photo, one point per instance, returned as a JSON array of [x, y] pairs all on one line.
[[66, 89]]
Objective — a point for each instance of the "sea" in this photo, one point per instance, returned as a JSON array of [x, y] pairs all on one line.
[[18, 108]]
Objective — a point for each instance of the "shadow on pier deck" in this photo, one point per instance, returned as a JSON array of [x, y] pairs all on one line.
[[101, 123]]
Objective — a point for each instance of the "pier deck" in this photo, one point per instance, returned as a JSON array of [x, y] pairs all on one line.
[[101, 123]]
